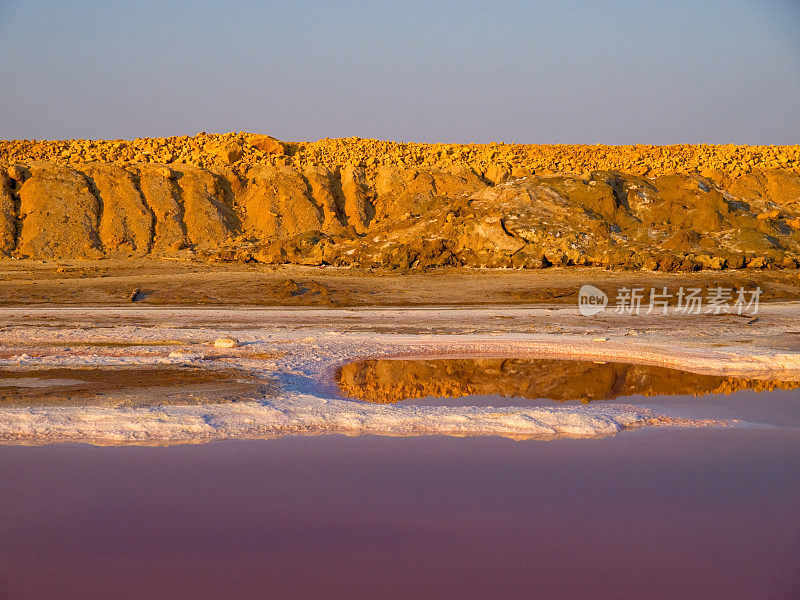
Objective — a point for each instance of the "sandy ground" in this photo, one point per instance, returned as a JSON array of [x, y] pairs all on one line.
[[105, 282], [135, 385], [302, 347]]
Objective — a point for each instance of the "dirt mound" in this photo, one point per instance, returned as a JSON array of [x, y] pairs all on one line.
[[365, 203]]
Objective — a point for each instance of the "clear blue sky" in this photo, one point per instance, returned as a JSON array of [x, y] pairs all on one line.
[[658, 72]]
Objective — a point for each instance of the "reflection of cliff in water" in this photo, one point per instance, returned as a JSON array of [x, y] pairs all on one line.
[[392, 380]]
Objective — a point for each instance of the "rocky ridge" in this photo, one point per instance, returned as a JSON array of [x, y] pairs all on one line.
[[366, 203]]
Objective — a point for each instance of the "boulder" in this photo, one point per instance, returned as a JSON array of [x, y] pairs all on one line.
[[267, 144]]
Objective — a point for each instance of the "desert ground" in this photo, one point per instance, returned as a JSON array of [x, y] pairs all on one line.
[[192, 282]]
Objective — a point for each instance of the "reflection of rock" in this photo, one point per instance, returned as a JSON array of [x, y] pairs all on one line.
[[388, 380]]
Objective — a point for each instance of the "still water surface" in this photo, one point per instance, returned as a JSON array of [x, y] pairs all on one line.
[[664, 513]]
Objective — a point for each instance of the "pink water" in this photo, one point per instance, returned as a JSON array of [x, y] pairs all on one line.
[[666, 513]]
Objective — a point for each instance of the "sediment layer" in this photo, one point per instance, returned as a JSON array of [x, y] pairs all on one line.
[[128, 386], [366, 203]]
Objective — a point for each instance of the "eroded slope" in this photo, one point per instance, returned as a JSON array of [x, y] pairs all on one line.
[[403, 206]]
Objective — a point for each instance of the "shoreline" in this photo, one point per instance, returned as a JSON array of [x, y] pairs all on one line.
[[305, 346]]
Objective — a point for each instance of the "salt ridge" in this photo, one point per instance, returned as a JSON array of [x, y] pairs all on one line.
[[311, 415]]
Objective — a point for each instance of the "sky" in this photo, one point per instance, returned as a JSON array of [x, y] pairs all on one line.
[[557, 71]]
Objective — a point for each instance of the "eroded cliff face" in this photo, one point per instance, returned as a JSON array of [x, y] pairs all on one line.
[[256, 201], [392, 380]]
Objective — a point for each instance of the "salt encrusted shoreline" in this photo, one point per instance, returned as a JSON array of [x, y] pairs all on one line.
[[301, 349], [297, 414]]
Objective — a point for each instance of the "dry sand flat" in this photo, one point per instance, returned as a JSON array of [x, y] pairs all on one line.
[[193, 282], [367, 203]]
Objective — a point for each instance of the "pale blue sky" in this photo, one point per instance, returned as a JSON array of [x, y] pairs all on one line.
[[536, 72]]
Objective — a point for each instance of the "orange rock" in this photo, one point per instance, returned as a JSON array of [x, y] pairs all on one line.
[[228, 153], [267, 144], [16, 173]]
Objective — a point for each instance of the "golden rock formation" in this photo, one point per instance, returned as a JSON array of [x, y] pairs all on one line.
[[371, 203], [494, 162]]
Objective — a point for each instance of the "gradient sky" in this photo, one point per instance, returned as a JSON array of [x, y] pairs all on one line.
[[656, 72]]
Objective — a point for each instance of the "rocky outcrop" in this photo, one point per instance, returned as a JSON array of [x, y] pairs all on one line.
[[126, 222], [59, 214], [399, 218], [8, 215], [278, 202], [208, 216], [496, 163], [608, 219], [160, 193]]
